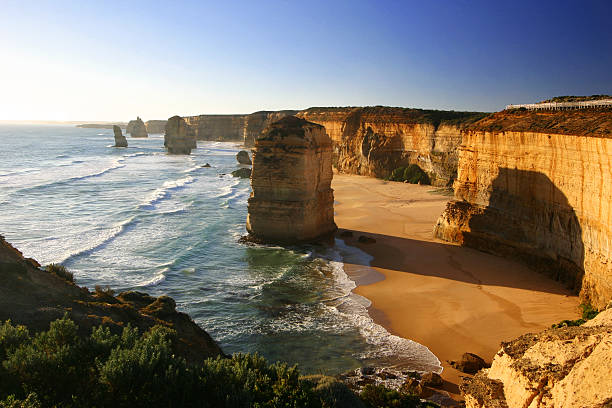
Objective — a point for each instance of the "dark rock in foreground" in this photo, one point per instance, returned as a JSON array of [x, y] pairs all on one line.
[[34, 298], [242, 173]]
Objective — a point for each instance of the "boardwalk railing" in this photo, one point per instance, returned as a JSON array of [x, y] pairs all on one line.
[[602, 103]]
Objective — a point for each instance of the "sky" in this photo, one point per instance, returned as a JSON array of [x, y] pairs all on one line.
[[114, 60]]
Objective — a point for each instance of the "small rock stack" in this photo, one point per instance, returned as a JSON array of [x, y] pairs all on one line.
[[292, 200], [179, 138], [136, 128], [120, 140]]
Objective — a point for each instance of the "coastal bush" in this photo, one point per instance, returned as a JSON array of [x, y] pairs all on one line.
[[588, 313], [413, 174], [61, 271], [58, 367]]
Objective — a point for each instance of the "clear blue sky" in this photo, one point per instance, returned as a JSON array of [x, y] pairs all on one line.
[[113, 60]]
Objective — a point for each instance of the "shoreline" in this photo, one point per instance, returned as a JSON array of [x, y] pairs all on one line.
[[448, 298]]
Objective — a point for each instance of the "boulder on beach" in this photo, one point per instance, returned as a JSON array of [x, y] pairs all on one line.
[[120, 140], [242, 173]]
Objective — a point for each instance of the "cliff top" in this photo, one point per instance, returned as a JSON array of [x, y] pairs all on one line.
[[402, 115], [580, 122], [35, 297], [573, 98]]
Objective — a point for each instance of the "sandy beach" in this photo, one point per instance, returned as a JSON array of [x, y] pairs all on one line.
[[451, 299]]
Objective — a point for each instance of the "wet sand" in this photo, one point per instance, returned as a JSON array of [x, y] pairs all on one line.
[[451, 299]]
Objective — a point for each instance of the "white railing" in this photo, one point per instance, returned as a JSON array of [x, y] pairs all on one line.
[[602, 103]]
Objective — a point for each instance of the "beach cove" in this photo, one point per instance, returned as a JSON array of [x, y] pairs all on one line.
[[449, 298]]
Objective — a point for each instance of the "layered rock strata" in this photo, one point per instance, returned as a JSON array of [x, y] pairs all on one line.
[[222, 128], [120, 140], [542, 198], [156, 126], [562, 368], [179, 138], [256, 122], [136, 128], [373, 141], [34, 297], [292, 200]]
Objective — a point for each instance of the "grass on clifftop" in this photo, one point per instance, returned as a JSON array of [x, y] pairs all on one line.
[[57, 367]]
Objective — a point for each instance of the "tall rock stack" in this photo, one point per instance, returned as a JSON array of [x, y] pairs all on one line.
[[179, 138], [137, 128], [120, 140], [292, 200]]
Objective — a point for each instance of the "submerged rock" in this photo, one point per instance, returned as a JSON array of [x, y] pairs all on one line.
[[243, 157], [179, 138], [292, 200], [120, 140], [137, 128]]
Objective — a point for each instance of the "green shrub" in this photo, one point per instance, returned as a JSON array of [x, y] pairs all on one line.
[[412, 174], [588, 313], [58, 367], [61, 271]]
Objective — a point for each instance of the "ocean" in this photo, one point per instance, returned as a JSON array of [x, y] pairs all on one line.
[[139, 219]]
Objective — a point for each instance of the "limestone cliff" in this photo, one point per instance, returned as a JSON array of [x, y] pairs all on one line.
[[374, 141], [34, 297], [292, 200], [120, 140], [256, 122], [156, 126], [223, 128], [562, 368], [136, 128], [542, 197], [179, 138]]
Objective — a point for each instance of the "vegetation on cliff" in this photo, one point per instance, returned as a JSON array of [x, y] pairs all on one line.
[[57, 367], [574, 98], [579, 122], [412, 174]]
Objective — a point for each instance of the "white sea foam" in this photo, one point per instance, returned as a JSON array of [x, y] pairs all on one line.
[[164, 192], [20, 171], [395, 351]]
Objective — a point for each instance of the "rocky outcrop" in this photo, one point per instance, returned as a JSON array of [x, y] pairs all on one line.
[[292, 199], [120, 140], [373, 141], [243, 157], [156, 126], [34, 297], [223, 128], [562, 368], [137, 128], [179, 138], [256, 122], [542, 198]]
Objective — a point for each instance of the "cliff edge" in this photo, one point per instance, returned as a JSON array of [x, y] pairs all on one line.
[[34, 297]]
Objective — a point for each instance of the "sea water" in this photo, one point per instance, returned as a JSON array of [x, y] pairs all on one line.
[[137, 218]]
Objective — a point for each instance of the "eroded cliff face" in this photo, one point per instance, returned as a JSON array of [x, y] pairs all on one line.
[[292, 200], [542, 198], [156, 126], [562, 368], [223, 128], [373, 141]]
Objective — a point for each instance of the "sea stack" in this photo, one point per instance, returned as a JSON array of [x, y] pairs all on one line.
[[292, 199], [179, 138], [137, 128], [120, 140]]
